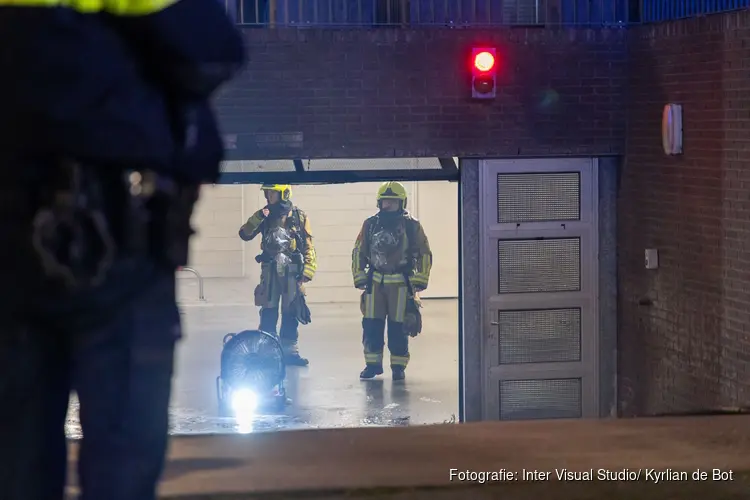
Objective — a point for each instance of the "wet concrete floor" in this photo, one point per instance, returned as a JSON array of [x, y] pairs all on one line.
[[327, 393]]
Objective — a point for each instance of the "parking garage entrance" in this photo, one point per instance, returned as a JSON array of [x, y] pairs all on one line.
[[536, 300], [336, 196], [217, 299]]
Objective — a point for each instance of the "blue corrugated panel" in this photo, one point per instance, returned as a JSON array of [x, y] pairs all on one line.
[[667, 10]]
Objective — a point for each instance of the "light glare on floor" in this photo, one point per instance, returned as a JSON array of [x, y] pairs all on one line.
[[244, 402]]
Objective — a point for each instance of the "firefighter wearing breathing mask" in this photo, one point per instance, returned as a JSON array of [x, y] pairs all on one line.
[[287, 261], [391, 263]]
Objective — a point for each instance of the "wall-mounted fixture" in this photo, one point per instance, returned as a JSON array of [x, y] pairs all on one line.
[[652, 258], [671, 129]]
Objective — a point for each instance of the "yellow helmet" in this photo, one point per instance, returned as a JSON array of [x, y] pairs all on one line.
[[285, 190], [392, 191]]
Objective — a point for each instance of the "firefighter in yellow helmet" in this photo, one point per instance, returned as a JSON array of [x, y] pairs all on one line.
[[287, 261], [391, 262]]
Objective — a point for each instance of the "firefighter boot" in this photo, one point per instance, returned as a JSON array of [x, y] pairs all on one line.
[[291, 354], [373, 341], [371, 371], [289, 334], [294, 359], [398, 372]]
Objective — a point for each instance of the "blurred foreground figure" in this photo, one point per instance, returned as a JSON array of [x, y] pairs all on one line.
[[391, 262], [287, 261], [106, 134]]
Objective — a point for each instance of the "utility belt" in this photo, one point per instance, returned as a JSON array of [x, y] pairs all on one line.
[[295, 258], [87, 217], [398, 277], [293, 268], [264, 258]]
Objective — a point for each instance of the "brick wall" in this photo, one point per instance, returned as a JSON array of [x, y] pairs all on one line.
[[327, 93], [690, 349]]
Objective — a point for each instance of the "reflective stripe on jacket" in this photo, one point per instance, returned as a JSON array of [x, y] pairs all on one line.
[[114, 7]]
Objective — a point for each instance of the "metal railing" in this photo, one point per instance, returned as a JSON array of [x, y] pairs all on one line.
[[198, 277], [452, 13], [469, 13]]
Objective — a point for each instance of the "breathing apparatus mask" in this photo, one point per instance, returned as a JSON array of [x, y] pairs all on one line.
[[279, 209], [389, 218]]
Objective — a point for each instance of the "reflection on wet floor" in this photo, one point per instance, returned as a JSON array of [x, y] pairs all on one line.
[[326, 394]]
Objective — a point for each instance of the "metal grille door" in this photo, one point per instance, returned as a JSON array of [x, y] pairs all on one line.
[[540, 337]]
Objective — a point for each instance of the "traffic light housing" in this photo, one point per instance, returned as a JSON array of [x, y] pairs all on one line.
[[483, 73]]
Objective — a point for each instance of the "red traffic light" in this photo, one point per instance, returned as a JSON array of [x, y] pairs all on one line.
[[484, 61], [483, 72]]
